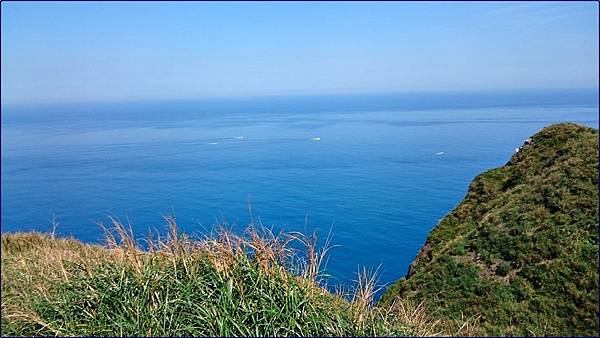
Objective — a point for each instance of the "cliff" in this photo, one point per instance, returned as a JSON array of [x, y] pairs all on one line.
[[520, 252]]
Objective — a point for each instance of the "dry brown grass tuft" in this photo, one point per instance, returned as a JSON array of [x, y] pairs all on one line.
[[467, 326], [121, 240], [222, 248], [417, 317], [313, 264], [366, 287]]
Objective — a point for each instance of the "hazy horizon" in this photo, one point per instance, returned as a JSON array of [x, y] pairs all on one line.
[[122, 52], [527, 91]]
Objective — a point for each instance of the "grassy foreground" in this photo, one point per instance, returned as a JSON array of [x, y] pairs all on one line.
[[221, 285]]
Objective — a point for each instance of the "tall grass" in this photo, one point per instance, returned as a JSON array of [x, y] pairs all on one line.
[[259, 283]]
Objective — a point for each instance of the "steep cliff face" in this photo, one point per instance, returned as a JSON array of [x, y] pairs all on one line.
[[521, 249]]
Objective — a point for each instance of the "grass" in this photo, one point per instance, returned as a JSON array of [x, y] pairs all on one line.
[[521, 250], [258, 284]]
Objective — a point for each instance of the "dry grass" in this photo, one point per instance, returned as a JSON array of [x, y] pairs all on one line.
[[417, 316], [59, 286]]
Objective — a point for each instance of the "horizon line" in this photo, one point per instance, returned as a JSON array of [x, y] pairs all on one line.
[[290, 95]]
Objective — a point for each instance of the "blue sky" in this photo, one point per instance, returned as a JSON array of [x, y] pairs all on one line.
[[69, 52]]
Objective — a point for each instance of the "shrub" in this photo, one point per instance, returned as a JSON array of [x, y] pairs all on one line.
[[503, 269]]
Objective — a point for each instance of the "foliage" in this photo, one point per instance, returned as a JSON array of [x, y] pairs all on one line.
[[521, 250]]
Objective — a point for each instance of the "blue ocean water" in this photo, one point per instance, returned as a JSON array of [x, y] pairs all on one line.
[[385, 169]]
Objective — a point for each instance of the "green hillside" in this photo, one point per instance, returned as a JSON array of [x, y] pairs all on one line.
[[521, 249]]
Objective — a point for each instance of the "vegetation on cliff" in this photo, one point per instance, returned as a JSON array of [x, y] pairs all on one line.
[[521, 250]]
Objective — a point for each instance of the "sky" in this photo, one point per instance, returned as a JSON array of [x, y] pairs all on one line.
[[94, 52]]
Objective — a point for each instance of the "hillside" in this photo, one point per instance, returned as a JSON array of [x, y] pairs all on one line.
[[521, 249]]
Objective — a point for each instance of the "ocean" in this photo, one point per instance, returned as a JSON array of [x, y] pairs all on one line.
[[378, 170]]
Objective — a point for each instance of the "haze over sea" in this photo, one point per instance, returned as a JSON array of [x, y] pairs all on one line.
[[380, 170]]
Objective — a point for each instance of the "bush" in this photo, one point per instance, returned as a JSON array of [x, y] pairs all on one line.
[[503, 268]]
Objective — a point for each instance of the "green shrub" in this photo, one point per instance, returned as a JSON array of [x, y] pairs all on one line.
[[503, 269]]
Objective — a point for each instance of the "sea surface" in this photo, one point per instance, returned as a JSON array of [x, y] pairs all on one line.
[[378, 170]]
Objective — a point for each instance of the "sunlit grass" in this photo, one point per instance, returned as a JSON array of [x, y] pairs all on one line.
[[256, 284]]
